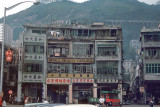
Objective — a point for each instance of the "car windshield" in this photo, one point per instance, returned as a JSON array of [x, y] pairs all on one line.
[[113, 96]]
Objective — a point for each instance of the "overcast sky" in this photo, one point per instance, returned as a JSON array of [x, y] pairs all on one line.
[[8, 3]]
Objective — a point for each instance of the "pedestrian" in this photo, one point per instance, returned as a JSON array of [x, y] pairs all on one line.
[[101, 101], [29, 100], [15, 98], [4, 104], [45, 101], [37, 99], [66, 100], [151, 103], [26, 100]]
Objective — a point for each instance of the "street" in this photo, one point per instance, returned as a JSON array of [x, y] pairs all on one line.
[[122, 106]]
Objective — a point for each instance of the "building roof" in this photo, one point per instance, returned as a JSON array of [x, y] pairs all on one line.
[[73, 26], [150, 30]]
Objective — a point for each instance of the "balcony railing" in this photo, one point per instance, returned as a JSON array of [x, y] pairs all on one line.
[[107, 57], [151, 44]]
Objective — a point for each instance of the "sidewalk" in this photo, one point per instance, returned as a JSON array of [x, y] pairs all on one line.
[[14, 105]]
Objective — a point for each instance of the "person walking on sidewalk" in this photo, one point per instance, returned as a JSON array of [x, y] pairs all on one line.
[[4, 104], [151, 103]]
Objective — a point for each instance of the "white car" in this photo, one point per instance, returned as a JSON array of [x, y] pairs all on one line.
[[76, 105], [58, 105]]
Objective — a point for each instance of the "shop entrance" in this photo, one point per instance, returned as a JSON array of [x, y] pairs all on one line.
[[82, 92], [57, 93]]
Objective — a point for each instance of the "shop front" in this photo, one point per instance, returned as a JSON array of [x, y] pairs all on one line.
[[153, 91], [32, 87], [58, 90], [33, 91], [57, 93], [82, 90], [109, 85], [69, 90]]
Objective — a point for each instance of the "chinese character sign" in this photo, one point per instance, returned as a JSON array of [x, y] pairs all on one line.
[[33, 57], [32, 78], [58, 81], [33, 39], [83, 80], [9, 54]]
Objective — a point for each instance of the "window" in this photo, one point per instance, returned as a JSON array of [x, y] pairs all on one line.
[[41, 49], [106, 68], [29, 48], [82, 49], [39, 31], [82, 33], [152, 68], [34, 49], [85, 32], [82, 68], [152, 52], [58, 50], [107, 50], [58, 68], [151, 37], [113, 33], [33, 67]]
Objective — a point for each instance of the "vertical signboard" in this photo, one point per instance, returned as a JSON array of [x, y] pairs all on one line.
[[94, 90], [120, 89], [70, 93]]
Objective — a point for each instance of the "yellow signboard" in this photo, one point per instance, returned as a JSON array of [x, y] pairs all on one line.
[[67, 60], [65, 75]]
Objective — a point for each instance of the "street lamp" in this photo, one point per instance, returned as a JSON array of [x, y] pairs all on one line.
[[3, 39]]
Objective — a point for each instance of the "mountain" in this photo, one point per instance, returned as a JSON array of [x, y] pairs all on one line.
[[128, 11]]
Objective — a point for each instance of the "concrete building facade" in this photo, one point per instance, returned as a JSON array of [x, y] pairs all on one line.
[[8, 34], [78, 62], [150, 66]]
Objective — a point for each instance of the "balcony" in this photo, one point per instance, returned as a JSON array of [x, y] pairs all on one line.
[[106, 38], [151, 60], [107, 76], [107, 58], [152, 76], [82, 37], [151, 44]]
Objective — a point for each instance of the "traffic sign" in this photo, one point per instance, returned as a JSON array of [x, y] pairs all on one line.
[[10, 92]]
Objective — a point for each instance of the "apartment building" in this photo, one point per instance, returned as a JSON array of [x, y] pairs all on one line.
[[78, 62], [8, 34], [150, 67]]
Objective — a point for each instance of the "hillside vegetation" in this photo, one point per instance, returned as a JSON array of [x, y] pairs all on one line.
[[88, 12]]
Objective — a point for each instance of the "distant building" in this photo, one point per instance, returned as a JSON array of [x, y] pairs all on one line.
[[8, 34], [150, 66], [127, 64], [129, 71], [135, 44]]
